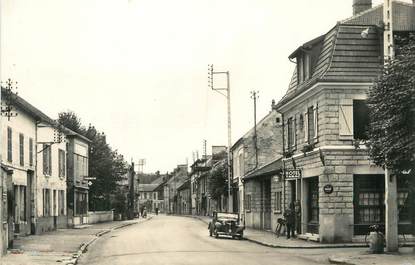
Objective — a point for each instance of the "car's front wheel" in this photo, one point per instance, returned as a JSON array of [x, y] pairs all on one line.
[[216, 233]]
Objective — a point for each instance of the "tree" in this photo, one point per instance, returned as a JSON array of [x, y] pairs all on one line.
[[218, 179], [71, 121], [105, 164], [392, 111], [392, 118]]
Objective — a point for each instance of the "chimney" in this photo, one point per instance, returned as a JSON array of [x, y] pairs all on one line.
[[361, 5]]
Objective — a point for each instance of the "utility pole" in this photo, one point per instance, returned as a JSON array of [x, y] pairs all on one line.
[[254, 96], [227, 89], [131, 192], [391, 200]]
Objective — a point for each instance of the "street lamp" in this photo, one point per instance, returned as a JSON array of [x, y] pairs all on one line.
[[227, 89]]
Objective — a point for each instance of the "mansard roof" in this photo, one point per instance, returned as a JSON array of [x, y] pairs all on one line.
[[344, 55]]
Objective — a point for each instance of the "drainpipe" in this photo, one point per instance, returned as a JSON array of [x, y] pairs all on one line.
[[283, 163]]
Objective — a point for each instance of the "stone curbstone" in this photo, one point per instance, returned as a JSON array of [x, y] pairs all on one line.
[[342, 261]]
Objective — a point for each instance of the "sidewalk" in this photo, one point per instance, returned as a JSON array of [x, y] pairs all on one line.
[[63, 246], [347, 254]]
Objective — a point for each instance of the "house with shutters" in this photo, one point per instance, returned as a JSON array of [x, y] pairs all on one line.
[[327, 167], [256, 165], [51, 177]]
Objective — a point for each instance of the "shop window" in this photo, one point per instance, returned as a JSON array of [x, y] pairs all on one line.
[[313, 218], [21, 149], [278, 201], [360, 119]]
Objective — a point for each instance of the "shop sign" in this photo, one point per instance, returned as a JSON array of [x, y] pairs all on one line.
[[328, 189], [293, 174]]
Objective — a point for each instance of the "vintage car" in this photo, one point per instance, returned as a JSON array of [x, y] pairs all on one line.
[[226, 224]]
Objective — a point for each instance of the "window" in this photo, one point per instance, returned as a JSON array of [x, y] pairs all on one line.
[[9, 145], [303, 67], [47, 160], [61, 198], [30, 152], [313, 204], [46, 202], [154, 196], [241, 164], [248, 202], [62, 163], [291, 133], [360, 119], [21, 149], [278, 201], [81, 167], [310, 123]]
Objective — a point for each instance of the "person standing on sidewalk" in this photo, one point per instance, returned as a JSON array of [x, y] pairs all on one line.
[[297, 210], [290, 217]]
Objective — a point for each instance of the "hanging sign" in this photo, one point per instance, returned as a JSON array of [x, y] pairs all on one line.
[[328, 189], [293, 174]]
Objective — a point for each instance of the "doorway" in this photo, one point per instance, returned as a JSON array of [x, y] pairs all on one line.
[[30, 202], [266, 204]]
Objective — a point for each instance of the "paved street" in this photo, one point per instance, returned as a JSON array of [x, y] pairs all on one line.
[[181, 240]]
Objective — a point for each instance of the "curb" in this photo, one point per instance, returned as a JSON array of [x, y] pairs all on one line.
[[84, 246], [341, 261], [293, 247]]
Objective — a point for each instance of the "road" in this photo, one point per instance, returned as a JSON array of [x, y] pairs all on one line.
[[181, 240]]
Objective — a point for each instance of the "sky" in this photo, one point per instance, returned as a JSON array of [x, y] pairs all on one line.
[[138, 69]]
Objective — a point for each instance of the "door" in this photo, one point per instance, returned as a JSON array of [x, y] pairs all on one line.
[[267, 204], [30, 202]]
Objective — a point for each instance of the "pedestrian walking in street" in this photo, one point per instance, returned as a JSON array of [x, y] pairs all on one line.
[[290, 218], [145, 212]]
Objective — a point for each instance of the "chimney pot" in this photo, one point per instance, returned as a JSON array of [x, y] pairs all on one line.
[[361, 5]]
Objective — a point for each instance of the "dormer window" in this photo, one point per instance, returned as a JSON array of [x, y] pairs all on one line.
[[303, 67]]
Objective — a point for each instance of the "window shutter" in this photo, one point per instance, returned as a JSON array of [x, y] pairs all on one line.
[[295, 131], [346, 120], [306, 126], [286, 136], [315, 121], [44, 156]]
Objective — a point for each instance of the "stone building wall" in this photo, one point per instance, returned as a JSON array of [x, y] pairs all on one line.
[[269, 142]]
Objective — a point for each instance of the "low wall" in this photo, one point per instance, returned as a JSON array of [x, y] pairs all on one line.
[[101, 216]]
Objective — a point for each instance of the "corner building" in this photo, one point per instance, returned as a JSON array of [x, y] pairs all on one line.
[[325, 116]]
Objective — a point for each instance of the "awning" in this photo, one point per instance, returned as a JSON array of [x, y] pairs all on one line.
[[270, 169]]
